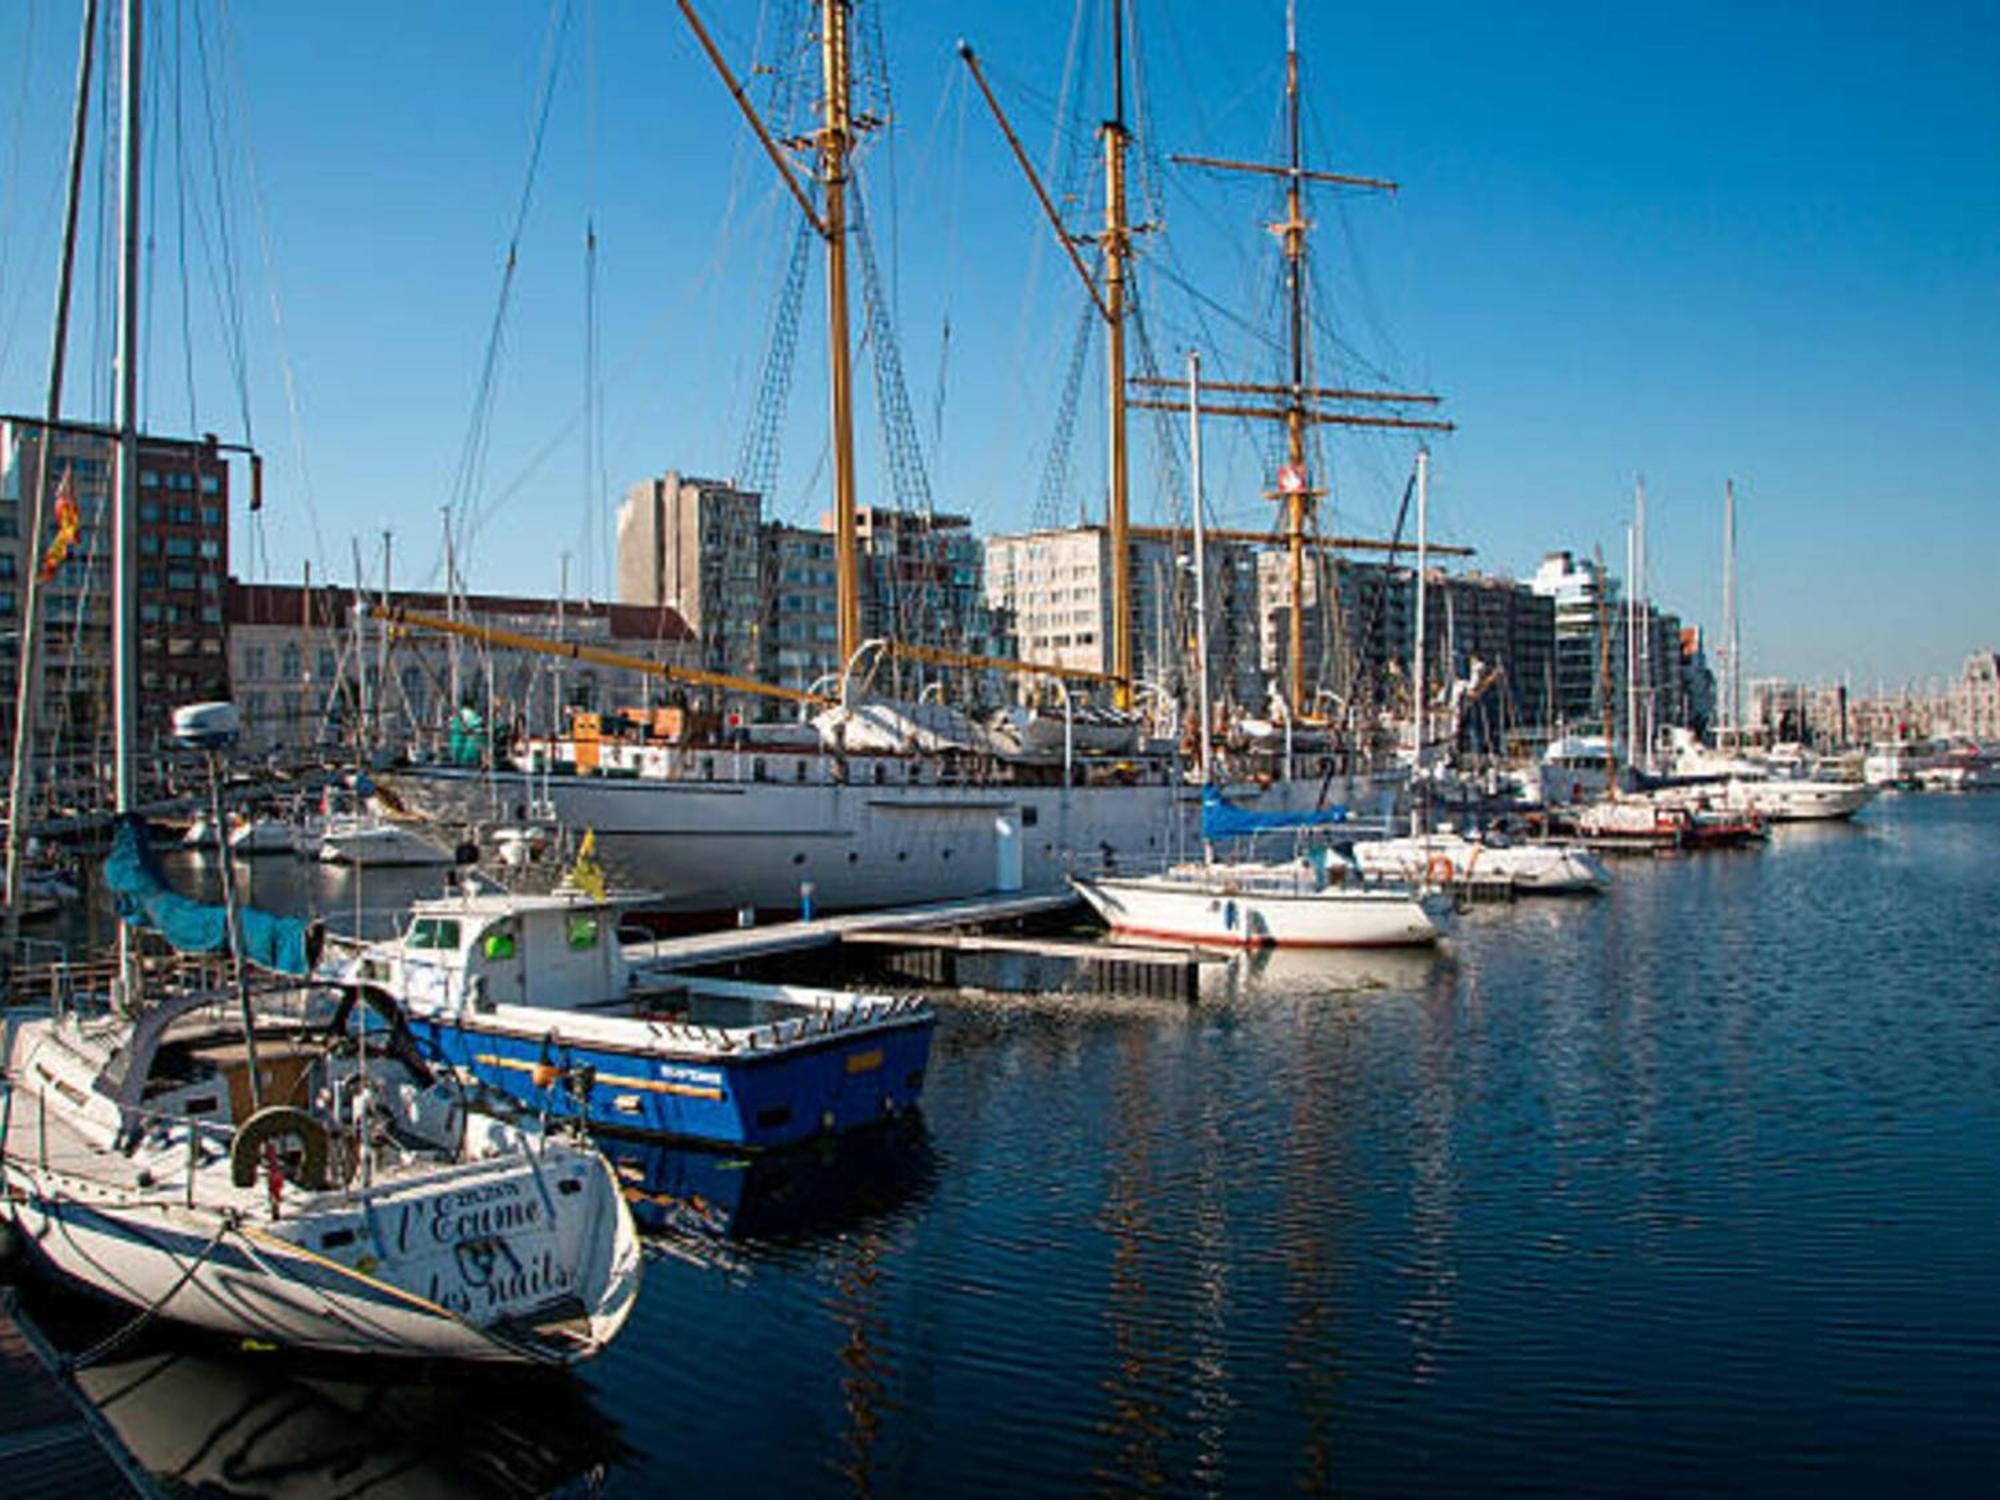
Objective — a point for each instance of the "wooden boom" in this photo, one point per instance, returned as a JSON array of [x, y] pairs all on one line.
[[514, 640]]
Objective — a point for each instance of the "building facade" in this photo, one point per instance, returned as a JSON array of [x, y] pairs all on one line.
[[695, 546], [183, 543], [1055, 588], [1975, 698], [310, 676]]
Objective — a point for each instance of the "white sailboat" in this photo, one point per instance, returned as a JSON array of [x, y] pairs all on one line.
[[268, 1176], [1313, 901]]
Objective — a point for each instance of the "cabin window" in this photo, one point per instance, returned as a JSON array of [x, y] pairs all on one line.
[[582, 933], [499, 943], [1030, 816], [438, 933]]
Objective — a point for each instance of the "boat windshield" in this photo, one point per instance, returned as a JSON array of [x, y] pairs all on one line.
[[437, 933]]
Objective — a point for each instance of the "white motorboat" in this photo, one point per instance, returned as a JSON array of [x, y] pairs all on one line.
[[1301, 903], [263, 835], [1448, 860], [1778, 799], [370, 839]]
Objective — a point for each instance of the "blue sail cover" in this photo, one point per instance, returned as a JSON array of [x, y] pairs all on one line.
[[1223, 819], [279, 944]]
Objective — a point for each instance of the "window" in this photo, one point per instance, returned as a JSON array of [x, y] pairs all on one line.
[[290, 662], [324, 671], [433, 933], [211, 484], [498, 944], [211, 549], [582, 933], [253, 661]]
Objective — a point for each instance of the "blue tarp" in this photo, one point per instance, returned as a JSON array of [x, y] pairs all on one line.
[[1223, 819], [280, 944]]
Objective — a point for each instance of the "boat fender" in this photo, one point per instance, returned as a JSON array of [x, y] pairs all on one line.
[[1440, 870], [276, 1122]]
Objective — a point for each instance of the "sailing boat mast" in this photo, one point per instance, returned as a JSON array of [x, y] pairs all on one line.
[[1298, 403], [1292, 483], [27, 703], [125, 510], [1732, 682], [1116, 245], [1200, 566], [835, 146]]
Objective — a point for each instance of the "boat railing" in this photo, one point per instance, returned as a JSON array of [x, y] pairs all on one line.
[[137, 1119]]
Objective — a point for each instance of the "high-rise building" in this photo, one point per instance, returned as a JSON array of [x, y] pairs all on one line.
[[802, 623], [183, 541], [1055, 586], [695, 545]]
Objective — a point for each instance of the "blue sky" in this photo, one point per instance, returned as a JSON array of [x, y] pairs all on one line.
[[1695, 243]]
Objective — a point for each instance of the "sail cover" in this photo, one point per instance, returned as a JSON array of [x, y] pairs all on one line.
[[283, 945], [1223, 819]]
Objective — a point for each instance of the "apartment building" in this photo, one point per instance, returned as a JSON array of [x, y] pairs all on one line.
[[308, 674], [183, 563]]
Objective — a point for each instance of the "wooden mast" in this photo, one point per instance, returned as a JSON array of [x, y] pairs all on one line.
[[835, 146], [1292, 483], [1297, 411], [1116, 245]]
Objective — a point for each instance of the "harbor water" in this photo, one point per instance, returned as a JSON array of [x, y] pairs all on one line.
[[1688, 1189]]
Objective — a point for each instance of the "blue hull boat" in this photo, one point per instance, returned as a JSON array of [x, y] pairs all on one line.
[[533, 996], [780, 1084]]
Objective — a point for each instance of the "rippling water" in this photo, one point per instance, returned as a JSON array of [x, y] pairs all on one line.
[[1694, 1188]]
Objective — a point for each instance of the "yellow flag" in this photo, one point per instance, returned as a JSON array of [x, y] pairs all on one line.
[[585, 874]]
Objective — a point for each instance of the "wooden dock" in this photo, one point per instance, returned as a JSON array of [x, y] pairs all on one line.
[[742, 944], [1145, 969], [52, 1441]]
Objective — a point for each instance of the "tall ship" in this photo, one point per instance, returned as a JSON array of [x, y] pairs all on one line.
[[858, 797]]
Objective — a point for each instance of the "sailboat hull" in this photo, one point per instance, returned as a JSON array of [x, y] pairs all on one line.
[[1220, 912]]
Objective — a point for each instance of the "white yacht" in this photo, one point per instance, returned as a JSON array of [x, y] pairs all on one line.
[[1449, 860], [1302, 903]]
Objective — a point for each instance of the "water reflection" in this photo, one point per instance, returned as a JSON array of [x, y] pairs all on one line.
[[1323, 971], [816, 1190], [202, 1418]]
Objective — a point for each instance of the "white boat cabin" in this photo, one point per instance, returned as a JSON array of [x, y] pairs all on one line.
[[557, 952]]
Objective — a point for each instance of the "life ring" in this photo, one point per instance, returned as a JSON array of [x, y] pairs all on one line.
[[1440, 870], [276, 1122]]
